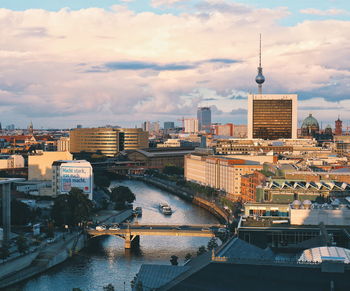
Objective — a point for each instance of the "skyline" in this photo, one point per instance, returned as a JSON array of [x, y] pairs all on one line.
[[130, 61]]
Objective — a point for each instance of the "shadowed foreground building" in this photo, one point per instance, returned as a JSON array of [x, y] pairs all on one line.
[[240, 266]]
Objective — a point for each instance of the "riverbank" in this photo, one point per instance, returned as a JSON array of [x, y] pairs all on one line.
[[50, 255], [187, 195]]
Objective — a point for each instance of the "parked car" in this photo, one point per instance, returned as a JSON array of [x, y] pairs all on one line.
[[222, 230], [114, 227], [100, 227], [50, 240]]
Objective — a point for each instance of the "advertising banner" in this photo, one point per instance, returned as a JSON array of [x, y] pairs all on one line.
[[76, 177]]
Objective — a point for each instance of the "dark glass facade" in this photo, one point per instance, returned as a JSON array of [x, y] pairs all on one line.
[[272, 119]]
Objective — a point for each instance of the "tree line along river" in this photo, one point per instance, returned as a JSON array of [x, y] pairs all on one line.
[[105, 261]]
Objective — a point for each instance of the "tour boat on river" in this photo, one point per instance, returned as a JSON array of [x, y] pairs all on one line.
[[165, 209]]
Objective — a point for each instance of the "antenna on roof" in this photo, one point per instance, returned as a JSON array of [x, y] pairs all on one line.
[[260, 79]]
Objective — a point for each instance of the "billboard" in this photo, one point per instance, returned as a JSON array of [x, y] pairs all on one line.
[[77, 176]]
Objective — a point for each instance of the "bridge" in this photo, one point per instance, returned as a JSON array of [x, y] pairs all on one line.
[[131, 232]]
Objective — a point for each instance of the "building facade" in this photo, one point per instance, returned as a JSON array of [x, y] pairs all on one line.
[[272, 116], [108, 141], [40, 166], [63, 144], [191, 125], [219, 173], [135, 138]]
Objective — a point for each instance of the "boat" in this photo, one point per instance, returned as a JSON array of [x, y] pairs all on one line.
[[137, 211], [165, 209]]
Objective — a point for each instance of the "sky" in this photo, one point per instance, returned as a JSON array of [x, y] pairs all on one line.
[[99, 62]]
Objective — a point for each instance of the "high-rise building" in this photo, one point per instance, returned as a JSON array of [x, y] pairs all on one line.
[[338, 127], [191, 125], [272, 116], [169, 125], [109, 141], [135, 138], [204, 118]]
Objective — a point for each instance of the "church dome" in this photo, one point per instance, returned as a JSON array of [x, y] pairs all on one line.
[[310, 122]]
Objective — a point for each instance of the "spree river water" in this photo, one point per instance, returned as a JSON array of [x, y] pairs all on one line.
[[106, 261]]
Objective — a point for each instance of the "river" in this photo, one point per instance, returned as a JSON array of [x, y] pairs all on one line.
[[107, 262]]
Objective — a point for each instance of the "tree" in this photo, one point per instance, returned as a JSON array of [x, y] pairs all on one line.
[[173, 170], [4, 252], [71, 208], [109, 287], [102, 181], [76, 289], [212, 244], [201, 250], [122, 194], [22, 245], [173, 260], [188, 257]]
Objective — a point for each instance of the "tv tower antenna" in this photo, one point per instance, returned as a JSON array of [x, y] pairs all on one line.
[[260, 79]]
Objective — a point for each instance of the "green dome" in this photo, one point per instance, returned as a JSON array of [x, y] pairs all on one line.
[[310, 122]]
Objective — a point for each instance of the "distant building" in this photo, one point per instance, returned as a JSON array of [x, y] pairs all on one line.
[[40, 166], [204, 119], [338, 127], [169, 125], [310, 126], [272, 116], [11, 162], [191, 125], [158, 158], [72, 174], [63, 144]]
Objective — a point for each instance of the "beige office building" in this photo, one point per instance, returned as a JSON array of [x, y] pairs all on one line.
[[272, 116], [220, 173], [109, 141], [135, 138], [40, 166]]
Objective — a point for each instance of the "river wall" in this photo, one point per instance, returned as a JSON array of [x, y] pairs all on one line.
[[45, 259], [48, 256], [186, 195]]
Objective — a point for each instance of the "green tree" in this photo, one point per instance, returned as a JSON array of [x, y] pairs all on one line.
[[212, 244], [109, 287], [188, 257], [76, 289], [201, 250], [102, 181], [22, 245], [71, 208], [4, 252], [122, 194], [173, 260], [173, 170]]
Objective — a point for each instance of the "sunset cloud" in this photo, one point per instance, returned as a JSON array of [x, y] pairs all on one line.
[[117, 66]]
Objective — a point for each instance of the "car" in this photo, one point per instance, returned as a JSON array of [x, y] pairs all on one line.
[[100, 227], [50, 240], [114, 228], [222, 230], [206, 229]]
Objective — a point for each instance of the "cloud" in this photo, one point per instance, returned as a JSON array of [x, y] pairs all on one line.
[[166, 3], [117, 66], [329, 12], [239, 111]]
